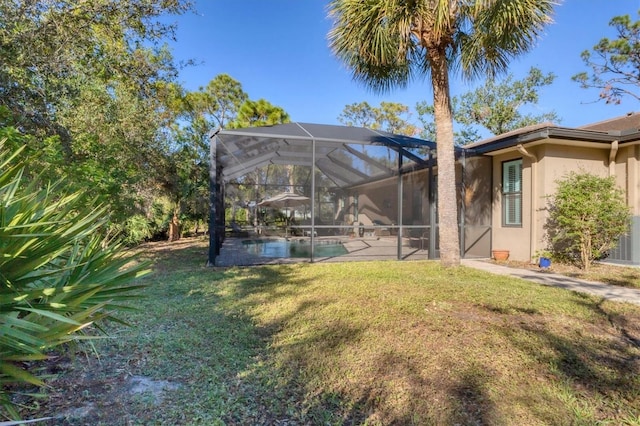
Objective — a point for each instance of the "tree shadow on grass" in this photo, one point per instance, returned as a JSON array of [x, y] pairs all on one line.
[[393, 390], [586, 364], [277, 378], [274, 387], [629, 280], [295, 381], [302, 365], [207, 330], [187, 332], [166, 256], [456, 394], [594, 367]]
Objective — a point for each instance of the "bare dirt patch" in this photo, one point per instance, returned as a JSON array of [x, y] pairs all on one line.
[[84, 391]]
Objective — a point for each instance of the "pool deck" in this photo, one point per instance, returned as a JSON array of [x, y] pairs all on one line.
[[233, 253]]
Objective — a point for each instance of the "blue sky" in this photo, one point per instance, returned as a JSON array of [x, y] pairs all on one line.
[[278, 51]]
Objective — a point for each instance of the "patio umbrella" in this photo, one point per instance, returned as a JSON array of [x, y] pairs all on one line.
[[285, 200]]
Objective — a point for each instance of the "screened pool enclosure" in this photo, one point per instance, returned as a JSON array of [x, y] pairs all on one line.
[[370, 191]]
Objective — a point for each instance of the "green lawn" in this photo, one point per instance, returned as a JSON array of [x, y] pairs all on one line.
[[374, 343]]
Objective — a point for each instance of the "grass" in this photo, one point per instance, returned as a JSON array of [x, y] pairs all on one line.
[[375, 343]]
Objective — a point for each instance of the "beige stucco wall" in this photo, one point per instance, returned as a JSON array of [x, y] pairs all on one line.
[[554, 161], [629, 161], [514, 239], [379, 200]]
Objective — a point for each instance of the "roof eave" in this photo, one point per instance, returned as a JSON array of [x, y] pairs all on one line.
[[500, 144]]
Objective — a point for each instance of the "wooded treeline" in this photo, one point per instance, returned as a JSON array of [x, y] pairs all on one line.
[[91, 88]]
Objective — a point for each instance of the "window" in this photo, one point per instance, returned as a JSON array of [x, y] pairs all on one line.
[[512, 193]]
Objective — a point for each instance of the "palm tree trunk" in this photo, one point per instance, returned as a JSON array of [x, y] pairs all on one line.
[[174, 224], [447, 195]]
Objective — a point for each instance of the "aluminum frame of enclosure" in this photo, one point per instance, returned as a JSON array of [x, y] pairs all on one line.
[[342, 155]]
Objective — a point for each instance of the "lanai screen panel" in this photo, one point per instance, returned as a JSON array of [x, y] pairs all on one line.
[[367, 185], [368, 153]]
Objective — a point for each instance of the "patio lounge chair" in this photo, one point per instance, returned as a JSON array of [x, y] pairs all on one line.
[[367, 228]]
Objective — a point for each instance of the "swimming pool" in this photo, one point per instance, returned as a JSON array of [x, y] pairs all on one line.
[[294, 248]]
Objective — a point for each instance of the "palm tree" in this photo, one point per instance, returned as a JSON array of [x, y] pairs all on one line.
[[388, 43]]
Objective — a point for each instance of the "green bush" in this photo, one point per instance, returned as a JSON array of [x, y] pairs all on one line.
[[133, 231], [58, 275], [587, 216], [160, 215], [192, 227], [240, 215]]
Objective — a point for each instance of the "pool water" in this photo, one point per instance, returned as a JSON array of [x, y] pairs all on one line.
[[294, 248]]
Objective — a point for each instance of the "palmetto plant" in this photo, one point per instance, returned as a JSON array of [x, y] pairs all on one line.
[[58, 275]]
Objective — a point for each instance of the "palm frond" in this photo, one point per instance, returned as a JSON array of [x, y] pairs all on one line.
[[499, 31], [374, 40], [385, 43], [58, 275]]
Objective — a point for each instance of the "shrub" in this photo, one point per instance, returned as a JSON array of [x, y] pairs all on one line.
[[137, 230], [191, 227], [587, 216], [160, 215], [58, 274], [237, 214]]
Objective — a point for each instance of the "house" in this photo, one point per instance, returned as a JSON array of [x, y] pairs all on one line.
[[385, 184], [526, 164]]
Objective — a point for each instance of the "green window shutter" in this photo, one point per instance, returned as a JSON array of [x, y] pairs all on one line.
[[512, 193]]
